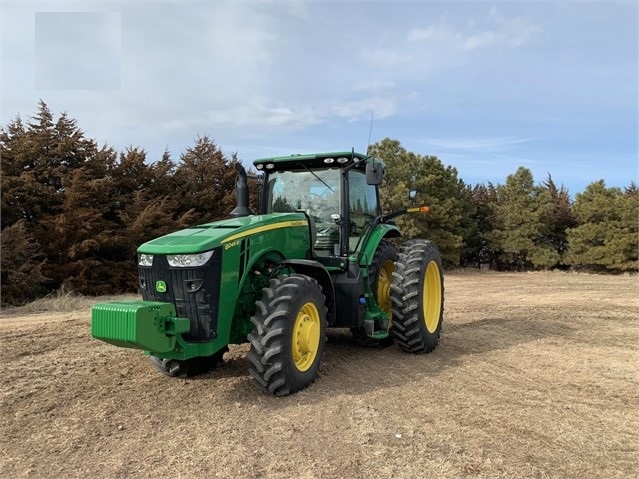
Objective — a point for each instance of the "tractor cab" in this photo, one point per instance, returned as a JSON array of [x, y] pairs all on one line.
[[337, 192]]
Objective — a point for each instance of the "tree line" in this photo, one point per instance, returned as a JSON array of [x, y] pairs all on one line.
[[74, 213], [519, 225]]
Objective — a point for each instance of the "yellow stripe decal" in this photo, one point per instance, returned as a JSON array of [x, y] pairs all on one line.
[[260, 229]]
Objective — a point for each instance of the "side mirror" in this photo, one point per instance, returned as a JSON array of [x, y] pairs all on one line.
[[374, 173]]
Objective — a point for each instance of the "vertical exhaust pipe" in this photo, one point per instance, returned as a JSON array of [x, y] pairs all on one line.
[[241, 194]]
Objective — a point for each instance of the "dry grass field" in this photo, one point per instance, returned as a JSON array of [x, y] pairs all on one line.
[[536, 375]]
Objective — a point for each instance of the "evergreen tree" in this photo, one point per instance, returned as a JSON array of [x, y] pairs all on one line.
[[80, 235], [162, 172], [41, 161], [36, 159], [479, 248], [205, 181], [13, 180], [131, 173], [412, 180], [562, 217], [522, 234], [21, 267], [607, 238]]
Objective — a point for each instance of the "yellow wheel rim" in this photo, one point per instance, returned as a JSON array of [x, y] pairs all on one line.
[[384, 281], [306, 336], [432, 297]]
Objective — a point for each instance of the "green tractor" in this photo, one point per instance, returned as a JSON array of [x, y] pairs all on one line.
[[317, 255]]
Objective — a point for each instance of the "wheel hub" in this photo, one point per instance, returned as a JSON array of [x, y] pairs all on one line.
[[384, 287], [432, 297], [306, 336]]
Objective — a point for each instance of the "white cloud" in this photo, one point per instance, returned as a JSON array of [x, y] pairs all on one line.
[[494, 30], [374, 85], [242, 38], [419, 52], [383, 107], [292, 117], [479, 144], [385, 57]]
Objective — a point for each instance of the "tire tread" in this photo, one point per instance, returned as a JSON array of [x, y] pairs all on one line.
[[270, 356], [409, 328]]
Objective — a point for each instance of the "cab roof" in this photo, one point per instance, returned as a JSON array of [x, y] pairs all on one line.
[[315, 160]]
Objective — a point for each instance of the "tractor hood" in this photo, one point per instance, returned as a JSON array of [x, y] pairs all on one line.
[[205, 237]]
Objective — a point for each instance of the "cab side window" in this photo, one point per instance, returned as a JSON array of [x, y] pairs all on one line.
[[362, 203]]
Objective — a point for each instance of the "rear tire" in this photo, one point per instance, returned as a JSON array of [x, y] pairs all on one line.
[[177, 368], [417, 294], [289, 332]]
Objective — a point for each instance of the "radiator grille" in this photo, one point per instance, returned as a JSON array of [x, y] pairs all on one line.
[[195, 292]]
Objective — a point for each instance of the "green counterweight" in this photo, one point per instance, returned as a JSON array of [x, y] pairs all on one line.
[[147, 325]]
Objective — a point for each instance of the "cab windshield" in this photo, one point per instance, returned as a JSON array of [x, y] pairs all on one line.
[[316, 193]]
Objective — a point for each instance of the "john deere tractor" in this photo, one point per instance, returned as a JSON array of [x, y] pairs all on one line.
[[316, 255]]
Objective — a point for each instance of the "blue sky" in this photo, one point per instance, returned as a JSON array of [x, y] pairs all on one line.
[[485, 86]]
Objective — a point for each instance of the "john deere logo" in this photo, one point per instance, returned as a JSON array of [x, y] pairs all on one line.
[[160, 286]]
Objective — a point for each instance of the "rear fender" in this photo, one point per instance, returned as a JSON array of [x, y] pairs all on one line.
[[380, 232]]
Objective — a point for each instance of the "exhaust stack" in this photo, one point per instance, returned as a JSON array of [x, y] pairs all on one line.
[[241, 194]]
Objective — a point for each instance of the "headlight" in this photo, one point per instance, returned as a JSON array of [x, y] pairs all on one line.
[[145, 259], [188, 260]]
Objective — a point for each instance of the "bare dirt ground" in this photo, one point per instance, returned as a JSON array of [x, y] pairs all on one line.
[[536, 375]]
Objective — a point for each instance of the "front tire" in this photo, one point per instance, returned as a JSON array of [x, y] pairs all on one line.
[[417, 294], [289, 332]]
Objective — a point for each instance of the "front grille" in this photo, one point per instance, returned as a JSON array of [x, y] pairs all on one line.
[[195, 292]]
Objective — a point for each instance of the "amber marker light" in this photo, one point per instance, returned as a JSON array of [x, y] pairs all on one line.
[[418, 209]]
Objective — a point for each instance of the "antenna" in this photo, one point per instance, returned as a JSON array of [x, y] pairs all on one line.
[[370, 131]]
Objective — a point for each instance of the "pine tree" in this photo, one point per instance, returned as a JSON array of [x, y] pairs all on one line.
[[522, 233], [562, 217], [162, 172], [479, 247], [412, 180], [80, 235], [36, 159], [205, 181], [607, 237], [13, 141], [21, 268], [39, 163]]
